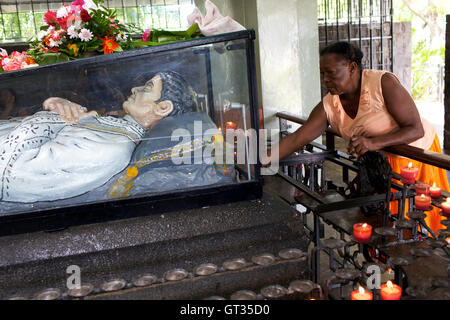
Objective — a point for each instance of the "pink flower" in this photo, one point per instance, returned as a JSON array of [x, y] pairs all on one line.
[[12, 65], [78, 3], [146, 35]]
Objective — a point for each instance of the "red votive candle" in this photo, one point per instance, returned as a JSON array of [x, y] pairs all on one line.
[[422, 202], [362, 294], [362, 232], [445, 206], [422, 188], [435, 192], [390, 291], [409, 173], [230, 125]]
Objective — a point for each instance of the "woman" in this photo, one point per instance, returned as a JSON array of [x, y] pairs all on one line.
[[371, 110]]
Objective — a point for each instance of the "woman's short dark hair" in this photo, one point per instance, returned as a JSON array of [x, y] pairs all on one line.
[[346, 50], [176, 89]]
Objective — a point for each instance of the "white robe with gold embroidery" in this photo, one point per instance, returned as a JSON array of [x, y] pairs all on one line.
[[44, 159]]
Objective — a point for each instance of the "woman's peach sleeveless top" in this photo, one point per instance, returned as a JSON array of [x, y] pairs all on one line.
[[372, 114]]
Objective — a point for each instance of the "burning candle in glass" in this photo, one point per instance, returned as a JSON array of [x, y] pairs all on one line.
[[409, 173], [422, 188], [445, 206], [422, 202], [230, 125], [362, 294], [362, 232], [435, 192], [390, 291]]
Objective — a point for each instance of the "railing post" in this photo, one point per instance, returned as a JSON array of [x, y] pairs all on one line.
[[447, 88]]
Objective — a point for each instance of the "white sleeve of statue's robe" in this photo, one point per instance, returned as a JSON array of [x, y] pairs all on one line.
[[66, 162]]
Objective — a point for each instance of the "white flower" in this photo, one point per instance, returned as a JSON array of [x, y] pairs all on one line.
[[85, 35], [72, 32], [53, 43], [3, 52], [121, 37], [42, 34], [62, 12]]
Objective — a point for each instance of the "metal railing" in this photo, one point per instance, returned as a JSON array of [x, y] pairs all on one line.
[[367, 23]]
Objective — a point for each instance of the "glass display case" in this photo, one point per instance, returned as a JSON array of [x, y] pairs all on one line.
[[128, 134]]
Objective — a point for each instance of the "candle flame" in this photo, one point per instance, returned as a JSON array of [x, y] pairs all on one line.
[[364, 225], [410, 165], [448, 200], [434, 185], [361, 290], [422, 196], [389, 284]]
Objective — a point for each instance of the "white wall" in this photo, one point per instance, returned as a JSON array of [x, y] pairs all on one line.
[[287, 52]]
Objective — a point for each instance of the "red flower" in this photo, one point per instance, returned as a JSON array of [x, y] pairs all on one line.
[[109, 45], [63, 22], [85, 15], [50, 18], [146, 35]]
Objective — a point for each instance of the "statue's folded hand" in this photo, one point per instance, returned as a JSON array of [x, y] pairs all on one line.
[[69, 111]]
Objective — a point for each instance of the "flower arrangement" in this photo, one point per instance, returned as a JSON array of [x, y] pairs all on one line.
[[75, 30], [80, 30], [15, 61]]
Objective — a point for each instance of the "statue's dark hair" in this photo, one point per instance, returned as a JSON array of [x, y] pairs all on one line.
[[176, 89], [346, 50]]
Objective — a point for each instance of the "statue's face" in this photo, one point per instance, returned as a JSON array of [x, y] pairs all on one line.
[[142, 106]]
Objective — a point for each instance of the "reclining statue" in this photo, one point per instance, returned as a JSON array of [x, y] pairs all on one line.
[[66, 150]]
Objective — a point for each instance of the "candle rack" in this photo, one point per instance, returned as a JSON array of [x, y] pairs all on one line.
[[401, 239]]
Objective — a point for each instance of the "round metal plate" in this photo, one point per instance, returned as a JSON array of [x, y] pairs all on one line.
[[416, 215], [421, 252], [400, 260], [302, 286], [243, 295], [82, 291], [441, 253], [113, 285], [405, 224], [215, 298], [441, 282], [48, 294], [235, 264], [205, 269], [263, 259], [386, 231], [144, 280], [436, 243], [417, 292], [17, 298], [347, 274], [292, 253], [274, 291], [333, 243], [175, 275]]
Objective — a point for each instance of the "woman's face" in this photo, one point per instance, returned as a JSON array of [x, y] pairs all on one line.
[[336, 73]]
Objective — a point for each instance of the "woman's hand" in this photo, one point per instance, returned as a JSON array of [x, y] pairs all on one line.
[[69, 111], [360, 145]]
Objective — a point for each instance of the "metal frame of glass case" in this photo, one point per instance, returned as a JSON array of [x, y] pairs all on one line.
[[155, 203]]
